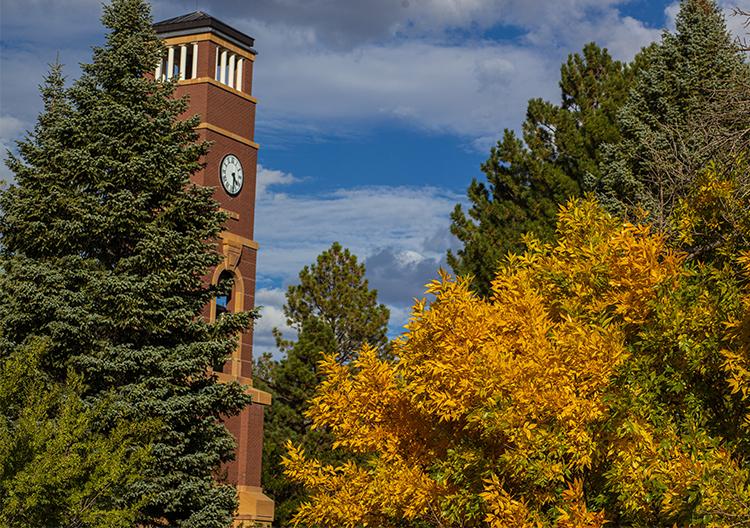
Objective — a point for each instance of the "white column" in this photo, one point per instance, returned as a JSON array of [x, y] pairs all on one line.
[[157, 75], [195, 61], [223, 67], [216, 65], [183, 61], [240, 63], [170, 62], [231, 74]]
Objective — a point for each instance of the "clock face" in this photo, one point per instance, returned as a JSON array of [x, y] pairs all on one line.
[[231, 174]]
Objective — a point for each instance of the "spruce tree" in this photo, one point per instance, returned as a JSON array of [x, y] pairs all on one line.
[[528, 179], [669, 124], [105, 245], [334, 311]]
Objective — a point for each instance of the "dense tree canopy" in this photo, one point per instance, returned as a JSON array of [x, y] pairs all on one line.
[[57, 466], [602, 377], [105, 243], [528, 179], [603, 383]]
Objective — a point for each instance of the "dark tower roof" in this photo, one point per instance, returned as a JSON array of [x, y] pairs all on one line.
[[200, 22]]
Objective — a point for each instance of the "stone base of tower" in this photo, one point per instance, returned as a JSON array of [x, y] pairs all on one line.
[[256, 510]]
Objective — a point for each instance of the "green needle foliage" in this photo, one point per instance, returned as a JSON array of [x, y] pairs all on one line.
[[528, 179], [679, 117], [334, 311], [334, 291], [105, 243]]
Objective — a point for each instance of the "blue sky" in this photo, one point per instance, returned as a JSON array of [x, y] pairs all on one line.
[[373, 116]]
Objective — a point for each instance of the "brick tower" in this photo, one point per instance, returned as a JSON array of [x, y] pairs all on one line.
[[213, 64]]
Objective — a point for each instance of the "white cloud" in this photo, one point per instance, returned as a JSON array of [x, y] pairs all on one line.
[[9, 127], [622, 36], [293, 230], [464, 90], [671, 12], [401, 275], [735, 23], [51, 23], [327, 64], [469, 87], [344, 24], [271, 301], [267, 178]]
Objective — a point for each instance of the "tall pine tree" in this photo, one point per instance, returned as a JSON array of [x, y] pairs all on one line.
[[672, 123], [528, 179], [105, 243], [334, 311], [335, 293]]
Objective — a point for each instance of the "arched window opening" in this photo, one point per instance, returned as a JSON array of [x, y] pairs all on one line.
[[224, 300]]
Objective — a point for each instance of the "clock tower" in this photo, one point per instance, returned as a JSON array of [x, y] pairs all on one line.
[[213, 65]]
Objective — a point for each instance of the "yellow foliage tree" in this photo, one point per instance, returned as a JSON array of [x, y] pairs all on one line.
[[527, 409], [737, 358]]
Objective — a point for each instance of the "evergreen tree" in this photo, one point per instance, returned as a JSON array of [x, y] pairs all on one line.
[[528, 179], [335, 292], [669, 124], [334, 311], [105, 243]]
